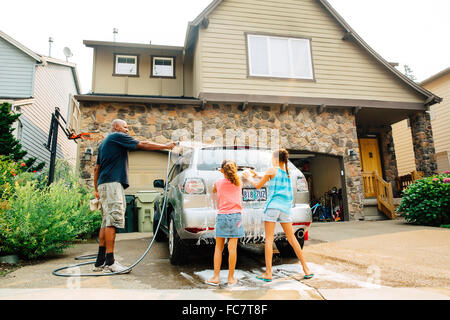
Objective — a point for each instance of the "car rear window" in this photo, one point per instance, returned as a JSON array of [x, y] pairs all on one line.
[[211, 159]]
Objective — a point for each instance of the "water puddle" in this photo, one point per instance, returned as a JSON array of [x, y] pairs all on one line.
[[285, 277]]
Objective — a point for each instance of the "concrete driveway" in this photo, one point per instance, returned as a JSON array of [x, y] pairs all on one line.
[[351, 260]]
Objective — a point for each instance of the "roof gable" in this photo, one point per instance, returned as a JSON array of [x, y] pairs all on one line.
[[348, 33], [20, 46]]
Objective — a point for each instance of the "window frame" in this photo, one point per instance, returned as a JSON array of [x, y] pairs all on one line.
[[117, 55], [249, 75], [174, 66]]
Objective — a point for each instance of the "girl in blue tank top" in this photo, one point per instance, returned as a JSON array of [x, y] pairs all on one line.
[[277, 209]]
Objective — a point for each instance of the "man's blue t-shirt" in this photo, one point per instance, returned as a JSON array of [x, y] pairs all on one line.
[[113, 158]]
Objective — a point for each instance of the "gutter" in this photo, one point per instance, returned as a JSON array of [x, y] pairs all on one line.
[[138, 99]]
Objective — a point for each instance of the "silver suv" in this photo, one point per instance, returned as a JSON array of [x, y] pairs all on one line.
[[190, 216]]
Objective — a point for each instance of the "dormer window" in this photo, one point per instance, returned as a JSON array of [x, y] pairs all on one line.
[[279, 57], [126, 65], [163, 67]]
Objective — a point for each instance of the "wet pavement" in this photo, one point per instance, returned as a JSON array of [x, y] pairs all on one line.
[[387, 255]]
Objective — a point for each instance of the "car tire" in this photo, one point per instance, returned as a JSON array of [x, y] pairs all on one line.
[[285, 248], [178, 253], [160, 236]]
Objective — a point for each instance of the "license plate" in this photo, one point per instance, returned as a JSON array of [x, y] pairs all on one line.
[[250, 194]]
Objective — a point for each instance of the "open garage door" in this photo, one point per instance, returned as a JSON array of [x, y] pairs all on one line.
[[326, 184], [144, 168]]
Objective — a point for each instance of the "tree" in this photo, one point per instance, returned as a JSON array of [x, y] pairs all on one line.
[[409, 73], [9, 145]]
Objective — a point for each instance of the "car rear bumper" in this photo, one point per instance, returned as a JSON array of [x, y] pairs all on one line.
[[199, 224]]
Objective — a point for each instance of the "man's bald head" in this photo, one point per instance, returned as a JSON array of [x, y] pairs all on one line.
[[119, 125]]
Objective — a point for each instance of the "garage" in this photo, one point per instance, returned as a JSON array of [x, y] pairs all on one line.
[[144, 168], [324, 174]]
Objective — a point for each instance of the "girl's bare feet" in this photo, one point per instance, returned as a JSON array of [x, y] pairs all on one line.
[[266, 276], [232, 282], [213, 281], [307, 271]]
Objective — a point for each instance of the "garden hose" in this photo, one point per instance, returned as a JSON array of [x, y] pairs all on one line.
[[94, 256]]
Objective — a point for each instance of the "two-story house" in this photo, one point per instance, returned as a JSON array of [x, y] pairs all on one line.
[[291, 65], [35, 85]]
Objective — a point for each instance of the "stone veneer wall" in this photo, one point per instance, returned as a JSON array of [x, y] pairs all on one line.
[[301, 128], [423, 143]]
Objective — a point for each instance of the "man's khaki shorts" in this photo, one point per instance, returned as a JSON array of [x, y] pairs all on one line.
[[112, 197]]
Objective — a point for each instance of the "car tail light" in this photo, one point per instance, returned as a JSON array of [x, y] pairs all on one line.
[[302, 184], [197, 230], [302, 224], [194, 186]]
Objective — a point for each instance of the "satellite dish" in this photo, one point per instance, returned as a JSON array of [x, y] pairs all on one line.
[[67, 53]]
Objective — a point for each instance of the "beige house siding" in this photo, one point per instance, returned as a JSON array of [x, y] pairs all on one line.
[[104, 81], [54, 85], [440, 113], [342, 69], [440, 119], [404, 150]]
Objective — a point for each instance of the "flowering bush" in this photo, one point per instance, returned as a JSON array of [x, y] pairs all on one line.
[[427, 201], [37, 220], [8, 172]]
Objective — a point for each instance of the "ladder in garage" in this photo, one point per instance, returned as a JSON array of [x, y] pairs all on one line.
[[375, 186]]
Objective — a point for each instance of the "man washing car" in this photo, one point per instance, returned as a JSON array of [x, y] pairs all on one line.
[[110, 181]]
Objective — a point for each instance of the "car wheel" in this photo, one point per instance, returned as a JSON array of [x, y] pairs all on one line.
[[177, 251], [159, 236], [285, 248]]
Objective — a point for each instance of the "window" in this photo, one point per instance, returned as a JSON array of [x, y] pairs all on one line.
[[163, 67], [271, 56], [126, 65]]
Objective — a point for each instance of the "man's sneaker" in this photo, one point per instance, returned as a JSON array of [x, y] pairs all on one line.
[[98, 269], [115, 267]]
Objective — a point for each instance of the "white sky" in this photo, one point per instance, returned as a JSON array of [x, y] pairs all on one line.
[[412, 32]]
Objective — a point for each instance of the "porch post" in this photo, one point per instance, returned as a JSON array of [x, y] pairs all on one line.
[[423, 143]]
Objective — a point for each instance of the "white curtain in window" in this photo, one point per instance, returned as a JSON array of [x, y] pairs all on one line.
[[279, 57], [258, 55], [301, 58]]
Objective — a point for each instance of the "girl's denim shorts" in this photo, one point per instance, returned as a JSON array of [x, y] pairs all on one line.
[[275, 215], [229, 225]]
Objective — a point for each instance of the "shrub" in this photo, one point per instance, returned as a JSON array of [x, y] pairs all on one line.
[[427, 201], [8, 171], [9, 145], [42, 221]]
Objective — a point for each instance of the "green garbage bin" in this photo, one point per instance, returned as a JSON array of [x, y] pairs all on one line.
[[130, 215], [144, 204]]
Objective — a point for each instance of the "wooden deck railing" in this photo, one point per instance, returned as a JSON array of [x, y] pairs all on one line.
[[375, 186], [369, 184], [405, 181]]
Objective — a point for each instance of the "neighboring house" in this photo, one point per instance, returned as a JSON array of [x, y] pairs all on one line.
[[295, 66], [35, 85], [440, 124]]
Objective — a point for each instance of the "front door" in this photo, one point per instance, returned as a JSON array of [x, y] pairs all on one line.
[[370, 155]]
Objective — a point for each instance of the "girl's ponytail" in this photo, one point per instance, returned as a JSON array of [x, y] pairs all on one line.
[[230, 171], [283, 156]]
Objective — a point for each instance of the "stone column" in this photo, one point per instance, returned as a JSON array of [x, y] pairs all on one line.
[[423, 143], [388, 154]]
